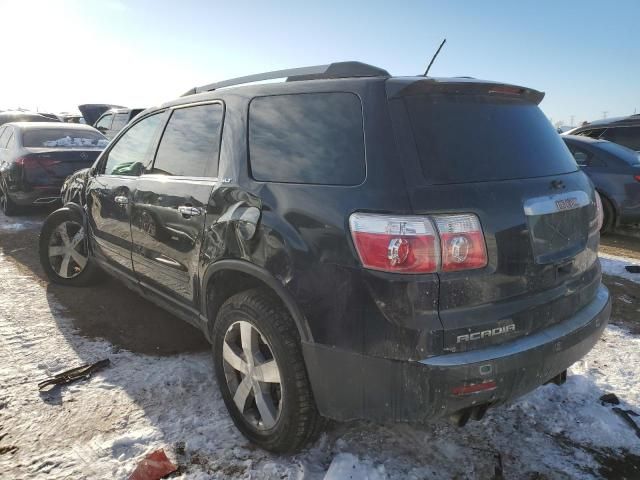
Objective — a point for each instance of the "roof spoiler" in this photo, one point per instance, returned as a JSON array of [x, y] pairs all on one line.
[[468, 86], [317, 72]]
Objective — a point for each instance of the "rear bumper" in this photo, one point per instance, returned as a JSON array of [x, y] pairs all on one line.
[[36, 196], [349, 386]]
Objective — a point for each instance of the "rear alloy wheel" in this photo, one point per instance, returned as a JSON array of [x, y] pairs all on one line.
[[64, 252], [252, 375], [261, 373]]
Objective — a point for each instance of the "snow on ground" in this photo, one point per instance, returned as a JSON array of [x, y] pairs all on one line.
[[102, 427], [614, 265]]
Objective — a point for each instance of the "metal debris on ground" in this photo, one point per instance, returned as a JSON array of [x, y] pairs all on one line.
[[610, 398], [78, 373], [626, 416], [154, 466]]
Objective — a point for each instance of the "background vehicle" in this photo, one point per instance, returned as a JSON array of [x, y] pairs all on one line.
[[18, 116], [622, 130], [35, 159], [114, 120], [92, 111], [353, 245], [615, 172]]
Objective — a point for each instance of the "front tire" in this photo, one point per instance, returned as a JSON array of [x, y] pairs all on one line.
[[608, 214], [261, 373], [64, 253]]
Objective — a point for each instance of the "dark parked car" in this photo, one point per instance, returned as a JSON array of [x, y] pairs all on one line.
[[615, 172], [17, 116], [622, 130], [36, 158], [353, 245], [114, 120]]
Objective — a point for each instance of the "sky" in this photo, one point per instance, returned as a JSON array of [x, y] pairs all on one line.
[[57, 54]]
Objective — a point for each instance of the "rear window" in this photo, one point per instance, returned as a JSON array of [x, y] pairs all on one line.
[[470, 138], [313, 138], [624, 153], [63, 138]]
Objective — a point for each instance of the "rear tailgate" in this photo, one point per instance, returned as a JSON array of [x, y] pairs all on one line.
[[494, 154]]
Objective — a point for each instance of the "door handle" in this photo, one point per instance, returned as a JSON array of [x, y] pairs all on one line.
[[120, 200], [189, 211]]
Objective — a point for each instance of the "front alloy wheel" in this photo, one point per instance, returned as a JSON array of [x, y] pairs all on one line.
[[64, 251], [68, 250]]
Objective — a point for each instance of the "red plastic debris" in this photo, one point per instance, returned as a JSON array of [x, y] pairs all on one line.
[[153, 467]]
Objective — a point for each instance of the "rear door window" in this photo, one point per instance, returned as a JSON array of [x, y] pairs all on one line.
[[314, 138], [471, 138], [191, 142]]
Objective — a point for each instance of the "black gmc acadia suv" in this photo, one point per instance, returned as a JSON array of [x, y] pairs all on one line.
[[353, 245]]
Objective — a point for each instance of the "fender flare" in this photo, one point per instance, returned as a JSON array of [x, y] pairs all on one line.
[[265, 277], [78, 209]]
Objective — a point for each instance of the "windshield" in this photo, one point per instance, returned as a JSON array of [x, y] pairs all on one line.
[[630, 156], [469, 138], [63, 138]]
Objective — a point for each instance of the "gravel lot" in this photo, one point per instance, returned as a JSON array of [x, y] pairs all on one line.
[[160, 393]]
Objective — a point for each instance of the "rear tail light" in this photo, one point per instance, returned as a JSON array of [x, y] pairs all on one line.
[[599, 220], [37, 161], [407, 244], [636, 178], [461, 242], [413, 244]]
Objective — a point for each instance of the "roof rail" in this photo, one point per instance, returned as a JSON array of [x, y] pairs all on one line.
[[332, 70]]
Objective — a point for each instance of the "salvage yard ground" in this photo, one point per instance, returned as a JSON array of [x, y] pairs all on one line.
[[160, 393]]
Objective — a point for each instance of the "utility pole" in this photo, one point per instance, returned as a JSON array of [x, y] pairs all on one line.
[[604, 113], [571, 123]]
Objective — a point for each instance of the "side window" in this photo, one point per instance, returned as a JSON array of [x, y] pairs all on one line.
[[626, 136], [4, 136], [128, 155], [11, 141], [191, 142], [593, 133], [119, 121], [314, 138], [582, 158], [104, 123]]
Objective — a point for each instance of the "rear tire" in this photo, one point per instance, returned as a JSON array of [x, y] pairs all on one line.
[[6, 204], [278, 410], [64, 254], [608, 214]]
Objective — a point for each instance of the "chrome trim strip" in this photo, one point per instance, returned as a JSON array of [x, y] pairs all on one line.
[[549, 203], [549, 335]]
